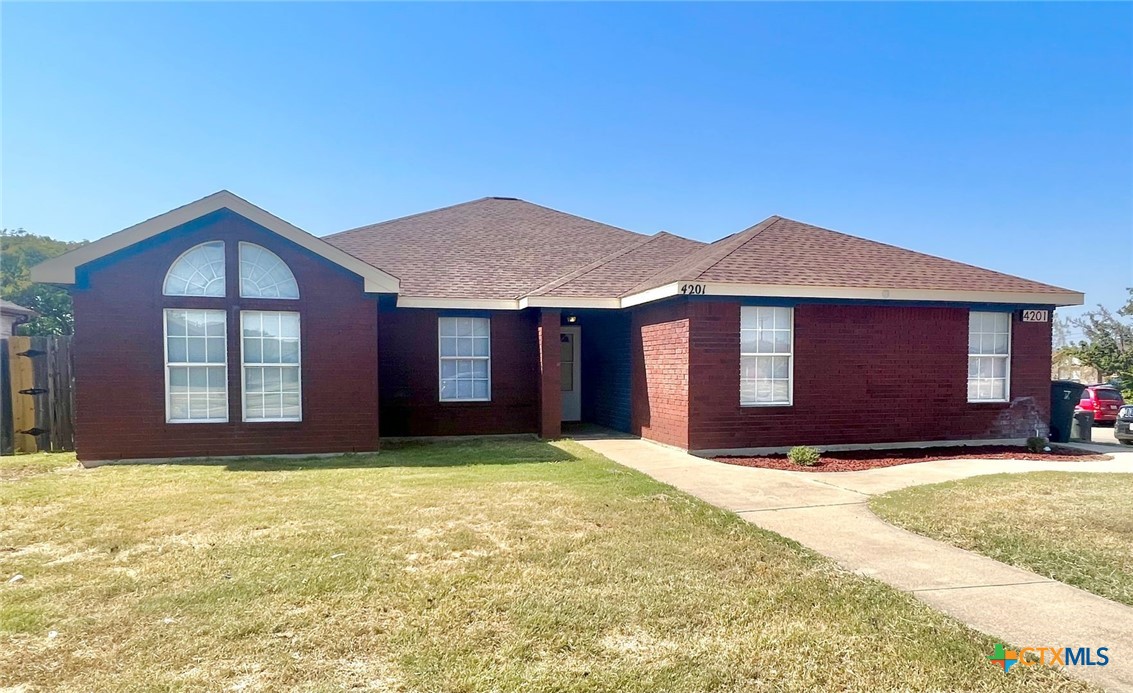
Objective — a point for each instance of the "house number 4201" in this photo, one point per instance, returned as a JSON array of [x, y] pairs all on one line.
[[1036, 316], [692, 289]]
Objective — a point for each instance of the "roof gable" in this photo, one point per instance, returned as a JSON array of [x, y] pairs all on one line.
[[61, 269]]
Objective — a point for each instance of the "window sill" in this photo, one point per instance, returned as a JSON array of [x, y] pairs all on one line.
[[463, 401], [182, 422], [989, 401], [765, 405]]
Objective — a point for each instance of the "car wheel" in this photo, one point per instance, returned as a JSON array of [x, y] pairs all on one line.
[[1125, 441]]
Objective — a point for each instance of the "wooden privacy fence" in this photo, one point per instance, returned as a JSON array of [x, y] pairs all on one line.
[[37, 401]]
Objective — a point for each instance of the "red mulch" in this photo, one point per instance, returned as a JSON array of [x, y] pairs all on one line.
[[857, 460]]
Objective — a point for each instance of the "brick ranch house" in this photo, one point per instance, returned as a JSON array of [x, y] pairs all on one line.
[[218, 329]]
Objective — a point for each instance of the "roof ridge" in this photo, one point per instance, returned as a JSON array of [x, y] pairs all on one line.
[[737, 243], [579, 216], [407, 216], [575, 274], [712, 254], [918, 252]]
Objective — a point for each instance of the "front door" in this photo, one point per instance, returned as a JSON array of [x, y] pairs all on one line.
[[570, 368]]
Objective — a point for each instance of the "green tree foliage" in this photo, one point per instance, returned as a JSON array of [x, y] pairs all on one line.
[[19, 252], [1108, 346]]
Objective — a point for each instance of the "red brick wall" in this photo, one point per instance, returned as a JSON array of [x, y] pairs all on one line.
[[119, 356], [410, 404], [660, 366], [862, 374]]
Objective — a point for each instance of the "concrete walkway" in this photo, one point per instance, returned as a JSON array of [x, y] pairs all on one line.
[[827, 512]]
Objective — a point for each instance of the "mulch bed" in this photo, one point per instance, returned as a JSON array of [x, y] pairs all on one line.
[[857, 460]]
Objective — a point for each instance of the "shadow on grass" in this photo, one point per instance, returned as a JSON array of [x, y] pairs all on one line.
[[419, 454]]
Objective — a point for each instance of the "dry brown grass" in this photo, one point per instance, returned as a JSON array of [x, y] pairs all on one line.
[[1076, 528], [473, 567]]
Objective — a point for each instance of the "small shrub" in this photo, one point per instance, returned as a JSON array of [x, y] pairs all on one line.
[[1037, 444], [803, 456]]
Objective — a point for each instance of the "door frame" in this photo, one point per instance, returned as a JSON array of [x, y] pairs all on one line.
[[576, 330]]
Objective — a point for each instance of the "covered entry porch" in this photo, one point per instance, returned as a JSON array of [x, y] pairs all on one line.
[[586, 360]]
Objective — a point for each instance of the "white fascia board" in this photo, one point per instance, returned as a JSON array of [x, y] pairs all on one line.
[[654, 294], [61, 269], [567, 302], [506, 304], [457, 303], [1069, 298]]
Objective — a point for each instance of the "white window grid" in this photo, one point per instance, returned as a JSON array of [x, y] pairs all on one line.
[[465, 359], [766, 356], [271, 366], [199, 271], [263, 274], [989, 356], [196, 365]]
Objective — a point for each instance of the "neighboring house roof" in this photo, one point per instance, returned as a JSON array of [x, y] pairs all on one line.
[[61, 269], [505, 253], [491, 248], [788, 255], [9, 308]]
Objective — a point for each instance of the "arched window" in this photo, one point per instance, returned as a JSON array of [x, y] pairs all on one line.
[[264, 275], [198, 272]]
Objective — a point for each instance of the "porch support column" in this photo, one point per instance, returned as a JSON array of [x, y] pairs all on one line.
[[550, 391]]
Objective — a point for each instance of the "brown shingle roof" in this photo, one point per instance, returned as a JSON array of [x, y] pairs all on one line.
[[504, 248], [491, 248], [617, 273], [780, 251]]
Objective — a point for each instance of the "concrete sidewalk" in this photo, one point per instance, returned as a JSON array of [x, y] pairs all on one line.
[[827, 512]]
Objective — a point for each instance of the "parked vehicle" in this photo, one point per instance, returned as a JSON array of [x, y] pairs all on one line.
[[1103, 401], [1123, 429]]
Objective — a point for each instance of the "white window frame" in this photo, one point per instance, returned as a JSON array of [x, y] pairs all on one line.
[[1006, 358], [441, 359], [244, 372], [240, 273], [181, 364], [790, 355], [223, 272]]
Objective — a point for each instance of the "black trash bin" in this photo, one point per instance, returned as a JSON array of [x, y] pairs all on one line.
[[1064, 396]]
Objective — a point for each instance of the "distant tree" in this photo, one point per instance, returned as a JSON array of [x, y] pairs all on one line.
[[19, 252], [1061, 329], [1108, 346]]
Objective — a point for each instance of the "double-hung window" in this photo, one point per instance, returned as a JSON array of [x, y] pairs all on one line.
[[989, 356], [196, 366], [270, 349], [766, 355], [465, 359]]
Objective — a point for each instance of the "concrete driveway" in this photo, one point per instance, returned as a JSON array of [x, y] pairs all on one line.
[[1103, 435], [827, 512]]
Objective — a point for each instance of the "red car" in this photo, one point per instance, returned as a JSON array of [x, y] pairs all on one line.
[[1103, 401]]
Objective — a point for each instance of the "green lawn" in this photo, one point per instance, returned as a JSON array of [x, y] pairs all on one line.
[[1076, 528], [459, 567]]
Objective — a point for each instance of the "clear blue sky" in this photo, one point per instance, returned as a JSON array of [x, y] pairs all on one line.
[[996, 134]]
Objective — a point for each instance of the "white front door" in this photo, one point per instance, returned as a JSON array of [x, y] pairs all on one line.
[[570, 369]]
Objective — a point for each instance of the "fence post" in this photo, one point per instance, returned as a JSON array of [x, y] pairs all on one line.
[[59, 393]]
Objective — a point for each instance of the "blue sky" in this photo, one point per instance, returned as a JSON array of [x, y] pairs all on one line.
[[996, 134]]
